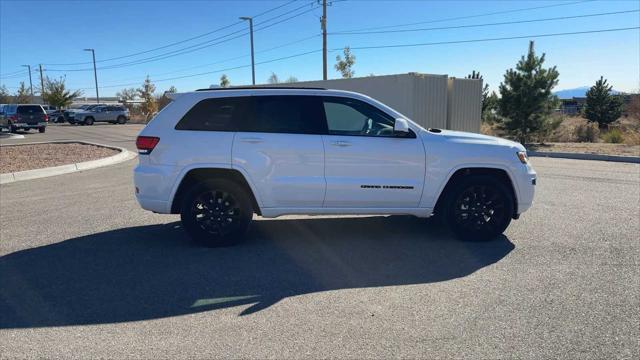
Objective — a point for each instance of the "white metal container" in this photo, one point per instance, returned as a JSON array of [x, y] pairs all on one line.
[[424, 98]]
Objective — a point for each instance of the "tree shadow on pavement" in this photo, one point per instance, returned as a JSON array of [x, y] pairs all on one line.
[[154, 271]]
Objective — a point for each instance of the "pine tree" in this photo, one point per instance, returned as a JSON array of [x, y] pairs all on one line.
[[4, 95], [23, 95], [487, 105], [273, 79], [601, 106], [224, 81], [526, 99], [56, 94]]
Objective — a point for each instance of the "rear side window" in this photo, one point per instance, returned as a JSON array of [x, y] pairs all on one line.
[[218, 114], [30, 109], [286, 114]]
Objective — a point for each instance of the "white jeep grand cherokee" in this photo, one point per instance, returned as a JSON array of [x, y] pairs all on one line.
[[218, 156]]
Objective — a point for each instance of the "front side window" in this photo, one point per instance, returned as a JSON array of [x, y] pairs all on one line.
[[354, 117], [293, 114], [216, 114]]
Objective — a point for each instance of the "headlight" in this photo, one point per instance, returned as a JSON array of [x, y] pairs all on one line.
[[522, 155]]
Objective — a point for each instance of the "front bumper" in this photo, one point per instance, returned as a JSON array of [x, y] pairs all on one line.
[[526, 182]]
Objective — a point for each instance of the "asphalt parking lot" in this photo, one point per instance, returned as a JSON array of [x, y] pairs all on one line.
[[84, 273]]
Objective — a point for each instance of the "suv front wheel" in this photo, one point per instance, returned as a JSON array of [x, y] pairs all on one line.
[[216, 213], [478, 208]]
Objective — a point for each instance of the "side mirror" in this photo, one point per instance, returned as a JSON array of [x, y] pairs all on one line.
[[401, 126]]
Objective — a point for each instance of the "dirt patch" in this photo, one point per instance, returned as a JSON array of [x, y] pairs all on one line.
[[589, 148], [37, 156]]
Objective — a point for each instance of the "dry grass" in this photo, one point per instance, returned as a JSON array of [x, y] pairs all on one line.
[[28, 157], [589, 148]]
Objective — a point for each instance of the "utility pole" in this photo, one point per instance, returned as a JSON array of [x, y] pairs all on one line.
[[30, 82], [323, 24], [41, 84], [253, 66], [95, 73]]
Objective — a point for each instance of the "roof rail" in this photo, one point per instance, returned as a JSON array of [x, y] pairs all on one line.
[[264, 87]]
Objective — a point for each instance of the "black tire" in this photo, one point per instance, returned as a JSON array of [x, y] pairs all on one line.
[[122, 120], [88, 120], [42, 129], [478, 208], [13, 129], [60, 120], [226, 222]]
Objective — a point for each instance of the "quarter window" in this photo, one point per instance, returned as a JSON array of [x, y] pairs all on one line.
[[354, 117], [217, 114]]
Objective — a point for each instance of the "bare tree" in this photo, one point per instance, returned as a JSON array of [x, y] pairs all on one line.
[[273, 79], [224, 81]]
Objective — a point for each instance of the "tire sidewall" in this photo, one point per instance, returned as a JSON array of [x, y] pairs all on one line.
[[121, 120], [88, 121], [201, 236], [475, 235]]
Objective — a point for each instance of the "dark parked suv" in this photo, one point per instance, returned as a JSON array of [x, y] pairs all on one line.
[[24, 117]]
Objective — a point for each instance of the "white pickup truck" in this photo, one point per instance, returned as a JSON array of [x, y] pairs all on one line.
[[218, 156]]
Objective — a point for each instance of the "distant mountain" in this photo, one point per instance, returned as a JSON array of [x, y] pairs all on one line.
[[577, 92]]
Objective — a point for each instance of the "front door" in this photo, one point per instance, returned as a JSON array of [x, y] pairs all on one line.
[[279, 146], [367, 165]]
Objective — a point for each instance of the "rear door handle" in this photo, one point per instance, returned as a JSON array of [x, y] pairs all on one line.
[[252, 140], [341, 143]]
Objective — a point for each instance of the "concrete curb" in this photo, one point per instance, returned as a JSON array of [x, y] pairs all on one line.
[[581, 156], [123, 155]]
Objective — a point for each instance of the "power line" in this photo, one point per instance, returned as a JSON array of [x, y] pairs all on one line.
[[195, 47], [233, 58], [389, 46], [487, 39], [468, 16], [487, 24], [178, 42], [213, 71]]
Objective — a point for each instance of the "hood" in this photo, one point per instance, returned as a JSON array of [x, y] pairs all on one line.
[[468, 137]]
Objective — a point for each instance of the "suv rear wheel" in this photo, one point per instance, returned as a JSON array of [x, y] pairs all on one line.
[[122, 119], [478, 208], [216, 213], [42, 129], [88, 120]]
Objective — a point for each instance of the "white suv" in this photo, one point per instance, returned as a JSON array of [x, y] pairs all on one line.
[[218, 156]]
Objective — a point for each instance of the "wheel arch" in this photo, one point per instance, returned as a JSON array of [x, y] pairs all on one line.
[[501, 174], [195, 175]]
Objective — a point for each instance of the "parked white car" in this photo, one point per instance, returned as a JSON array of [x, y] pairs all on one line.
[[220, 155]]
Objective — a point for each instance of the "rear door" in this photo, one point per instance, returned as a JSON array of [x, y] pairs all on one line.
[[367, 165], [30, 114], [279, 146]]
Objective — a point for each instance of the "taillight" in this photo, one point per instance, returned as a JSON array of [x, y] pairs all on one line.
[[145, 144], [46, 117]]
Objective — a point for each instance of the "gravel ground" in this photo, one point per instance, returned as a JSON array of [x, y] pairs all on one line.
[[28, 157]]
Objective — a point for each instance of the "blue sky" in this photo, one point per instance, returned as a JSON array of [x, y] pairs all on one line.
[[55, 32]]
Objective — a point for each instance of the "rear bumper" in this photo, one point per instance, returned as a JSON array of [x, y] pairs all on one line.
[[154, 187], [29, 126]]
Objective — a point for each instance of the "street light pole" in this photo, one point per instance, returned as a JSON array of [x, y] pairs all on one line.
[[95, 73], [253, 66], [30, 82]]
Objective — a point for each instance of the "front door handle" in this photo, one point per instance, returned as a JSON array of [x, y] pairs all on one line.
[[341, 143], [252, 140]]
